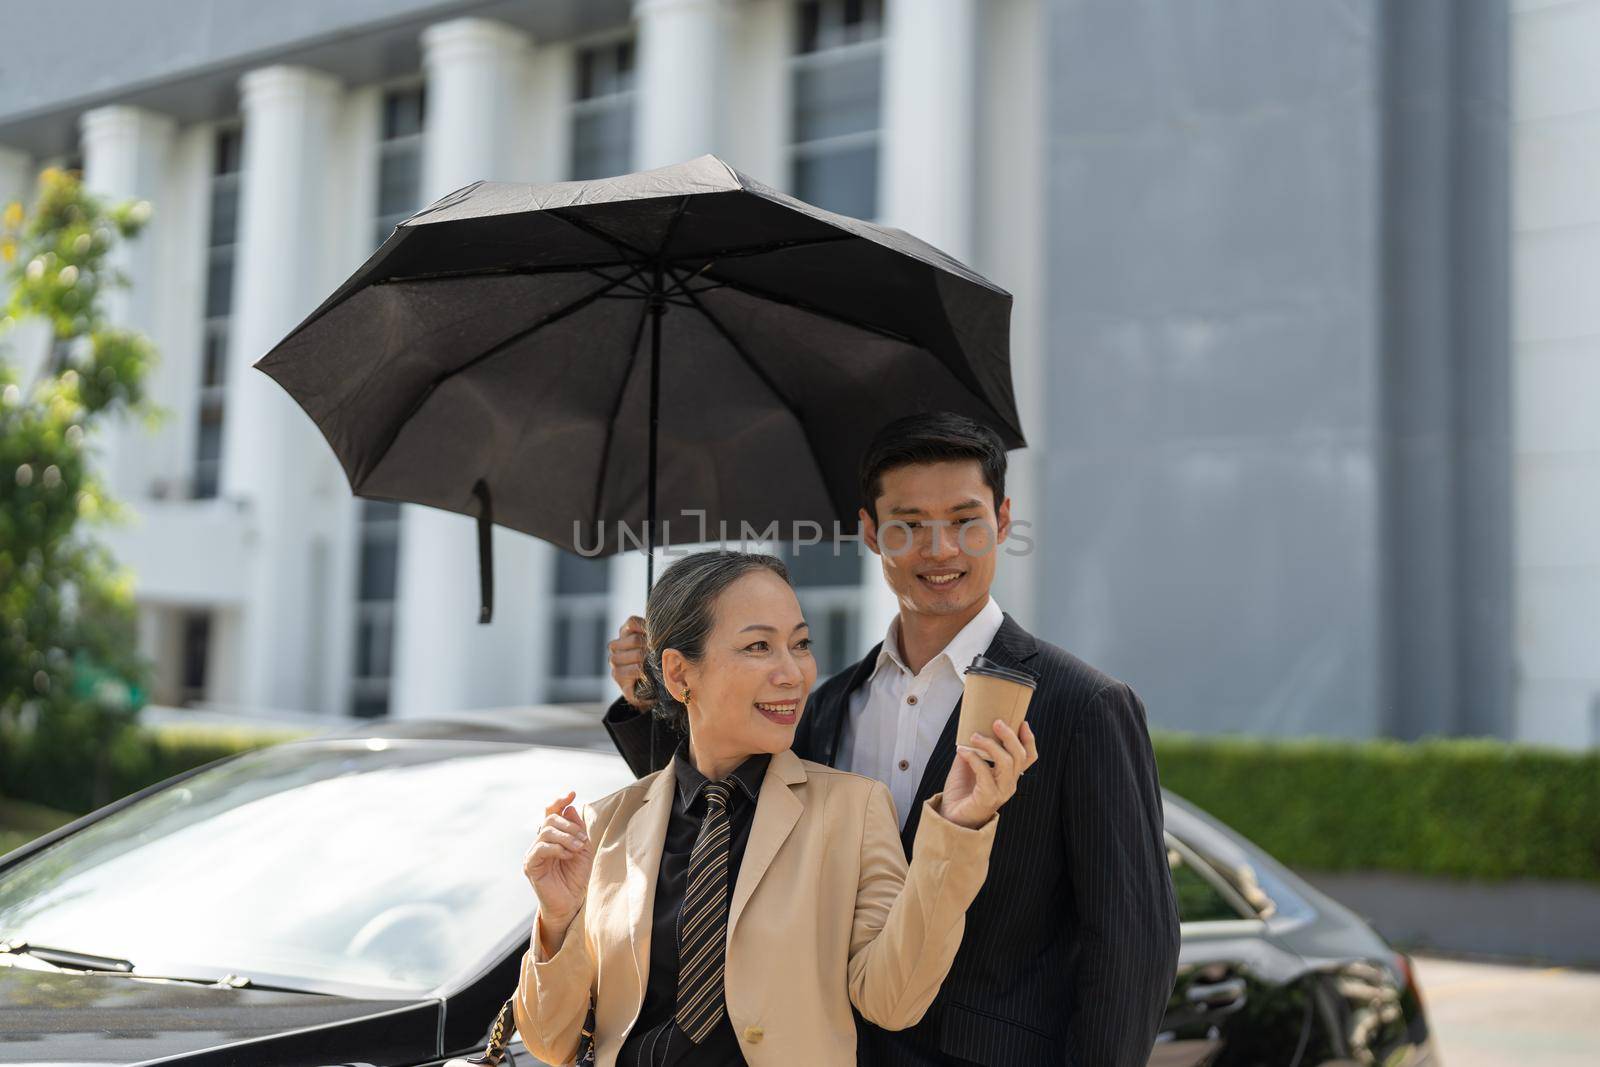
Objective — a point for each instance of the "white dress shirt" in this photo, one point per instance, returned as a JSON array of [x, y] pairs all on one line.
[[896, 717]]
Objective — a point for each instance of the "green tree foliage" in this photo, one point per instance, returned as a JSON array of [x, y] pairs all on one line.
[[71, 679]]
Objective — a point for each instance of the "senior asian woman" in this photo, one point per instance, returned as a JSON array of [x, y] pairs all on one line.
[[733, 907]]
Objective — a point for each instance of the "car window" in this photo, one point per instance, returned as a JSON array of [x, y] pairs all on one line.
[[1266, 885], [1200, 899], [388, 865]]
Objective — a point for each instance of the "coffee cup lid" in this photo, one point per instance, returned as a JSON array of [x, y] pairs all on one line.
[[981, 664]]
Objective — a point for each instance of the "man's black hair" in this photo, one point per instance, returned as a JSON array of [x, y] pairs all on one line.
[[932, 437]]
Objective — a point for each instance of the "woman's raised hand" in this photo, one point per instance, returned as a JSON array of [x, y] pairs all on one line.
[[557, 865], [974, 790]]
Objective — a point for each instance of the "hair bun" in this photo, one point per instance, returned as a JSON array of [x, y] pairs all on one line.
[[650, 688], [644, 689]]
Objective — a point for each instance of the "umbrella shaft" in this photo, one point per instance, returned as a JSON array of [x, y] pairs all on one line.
[[657, 307]]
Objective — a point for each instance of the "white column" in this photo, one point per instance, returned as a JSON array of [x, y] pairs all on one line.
[[547, 109], [929, 102], [27, 341], [682, 45], [1555, 255], [1009, 248], [16, 176], [627, 594], [125, 154], [681, 80], [16, 187], [476, 72], [444, 659], [927, 169], [757, 129], [267, 457]]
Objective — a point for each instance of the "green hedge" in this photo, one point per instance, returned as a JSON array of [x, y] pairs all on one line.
[[56, 769], [1455, 808], [21, 822]]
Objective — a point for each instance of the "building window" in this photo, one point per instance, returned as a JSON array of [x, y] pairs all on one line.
[[602, 111], [579, 628], [379, 559], [196, 652], [827, 581], [221, 255], [837, 76], [399, 159], [378, 550]]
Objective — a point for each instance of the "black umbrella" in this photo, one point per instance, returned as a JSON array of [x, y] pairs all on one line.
[[573, 360]]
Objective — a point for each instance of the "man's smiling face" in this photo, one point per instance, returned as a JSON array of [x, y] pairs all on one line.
[[937, 533]]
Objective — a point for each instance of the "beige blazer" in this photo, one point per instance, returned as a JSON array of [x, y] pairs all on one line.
[[825, 914]]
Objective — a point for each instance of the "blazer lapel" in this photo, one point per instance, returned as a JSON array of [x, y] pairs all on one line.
[[1012, 647], [644, 840], [777, 811]]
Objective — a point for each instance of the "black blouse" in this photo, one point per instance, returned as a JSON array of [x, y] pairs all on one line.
[[655, 1040]]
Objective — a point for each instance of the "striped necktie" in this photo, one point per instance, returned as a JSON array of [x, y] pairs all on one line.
[[703, 923]]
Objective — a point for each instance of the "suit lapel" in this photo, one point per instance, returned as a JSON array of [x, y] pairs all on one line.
[[777, 811], [644, 840], [933, 776], [827, 729], [1012, 647]]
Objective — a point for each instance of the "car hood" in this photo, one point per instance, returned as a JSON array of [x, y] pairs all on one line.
[[66, 1019]]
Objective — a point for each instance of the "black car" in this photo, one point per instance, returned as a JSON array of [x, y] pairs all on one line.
[[358, 899]]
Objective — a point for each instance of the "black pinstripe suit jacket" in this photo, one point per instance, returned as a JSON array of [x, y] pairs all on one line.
[[1072, 945]]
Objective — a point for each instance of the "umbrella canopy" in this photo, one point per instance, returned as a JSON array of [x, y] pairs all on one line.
[[574, 359]]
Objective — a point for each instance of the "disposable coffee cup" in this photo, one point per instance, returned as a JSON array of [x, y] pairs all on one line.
[[993, 691]]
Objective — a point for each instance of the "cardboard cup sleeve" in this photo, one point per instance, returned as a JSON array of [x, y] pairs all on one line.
[[993, 691]]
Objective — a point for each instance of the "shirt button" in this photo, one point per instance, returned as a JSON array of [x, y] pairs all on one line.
[[905, 765], [912, 699], [754, 1034]]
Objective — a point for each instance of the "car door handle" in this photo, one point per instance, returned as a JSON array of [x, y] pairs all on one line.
[[1217, 994]]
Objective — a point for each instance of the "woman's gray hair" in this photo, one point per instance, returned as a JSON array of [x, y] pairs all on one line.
[[680, 614]]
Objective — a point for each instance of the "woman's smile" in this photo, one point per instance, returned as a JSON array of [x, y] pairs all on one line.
[[782, 712]]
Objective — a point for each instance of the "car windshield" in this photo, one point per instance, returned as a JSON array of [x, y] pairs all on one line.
[[384, 865]]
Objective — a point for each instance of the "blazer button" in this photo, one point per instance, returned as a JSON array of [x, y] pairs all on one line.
[[754, 1034]]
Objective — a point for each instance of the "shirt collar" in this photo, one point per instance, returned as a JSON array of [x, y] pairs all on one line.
[[973, 639], [746, 778]]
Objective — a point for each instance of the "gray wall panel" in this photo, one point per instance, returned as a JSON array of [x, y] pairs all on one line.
[[1248, 515]]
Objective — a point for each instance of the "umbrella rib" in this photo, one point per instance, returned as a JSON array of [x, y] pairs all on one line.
[[489, 272], [615, 242], [633, 357], [799, 416], [555, 316], [762, 249], [778, 298], [616, 409], [679, 285], [629, 250], [672, 227], [739, 349], [622, 281]]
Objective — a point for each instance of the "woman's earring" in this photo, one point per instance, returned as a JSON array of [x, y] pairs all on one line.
[[685, 696]]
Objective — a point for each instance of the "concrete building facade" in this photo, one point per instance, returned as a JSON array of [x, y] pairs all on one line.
[[1291, 470]]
